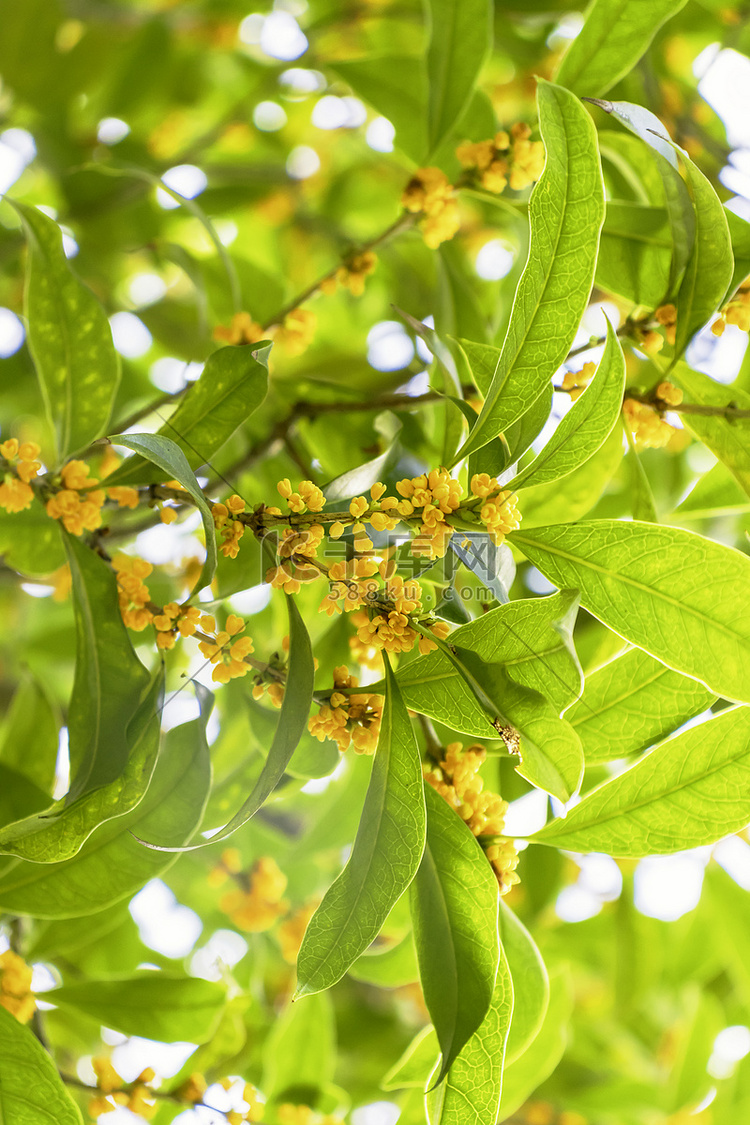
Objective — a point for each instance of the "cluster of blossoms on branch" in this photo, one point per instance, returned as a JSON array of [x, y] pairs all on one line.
[[348, 719], [645, 419], [510, 159], [456, 778], [736, 311], [22, 465], [257, 902]]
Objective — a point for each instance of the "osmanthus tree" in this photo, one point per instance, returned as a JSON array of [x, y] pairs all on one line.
[[307, 616]]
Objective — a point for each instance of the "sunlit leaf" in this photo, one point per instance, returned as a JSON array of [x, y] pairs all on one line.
[[31, 1090]]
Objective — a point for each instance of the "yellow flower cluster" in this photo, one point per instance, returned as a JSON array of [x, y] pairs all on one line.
[[352, 274], [16, 493], [15, 986], [125, 496], [138, 1098], [348, 720], [646, 423], [431, 496], [133, 594], [230, 528], [498, 513], [508, 159], [430, 192], [297, 331], [307, 498], [174, 619], [288, 1114], [77, 514], [736, 311], [242, 330], [666, 315], [227, 655], [576, 381], [255, 906], [456, 779]]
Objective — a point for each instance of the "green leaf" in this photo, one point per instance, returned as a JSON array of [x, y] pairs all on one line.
[[566, 212], [631, 703], [538, 1061], [380, 81], [460, 38], [164, 1006], [60, 831], [470, 1093], [231, 388], [739, 232], [682, 220], [30, 541], [29, 737], [649, 584], [69, 339], [299, 1055], [688, 792], [110, 680], [494, 566], [586, 426], [717, 491], [384, 859], [727, 437], [635, 252], [111, 865], [530, 639], [388, 968], [530, 982], [19, 797], [642, 503], [577, 493], [710, 266], [454, 912], [612, 40], [290, 728], [416, 1063], [31, 1090], [162, 451]]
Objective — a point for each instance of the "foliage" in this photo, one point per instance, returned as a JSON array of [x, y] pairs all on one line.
[[489, 535]]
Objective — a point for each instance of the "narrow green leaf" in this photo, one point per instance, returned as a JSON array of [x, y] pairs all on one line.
[[390, 968], [299, 1055], [69, 339], [566, 212], [631, 703], [710, 266], [384, 859], [59, 832], [538, 1061], [31, 1090], [642, 503], [727, 437], [530, 982], [416, 1064], [111, 865], [156, 1005], [649, 584], [19, 797], [292, 724], [110, 680], [29, 736], [635, 253], [231, 388], [586, 426], [612, 40], [576, 494], [687, 792], [530, 638], [680, 210], [460, 38], [162, 451], [739, 232], [470, 1093], [717, 492], [454, 913]]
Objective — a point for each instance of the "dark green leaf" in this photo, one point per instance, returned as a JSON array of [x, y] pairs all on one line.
[[162, 451], [163, 1006], [31, 1090], [384, 859], [69, 338], [30, 541], [566, 212], [631, 703], [649, 584], [111, 865], [688, 792], [29, 737], [460, 37], [615, 35], [454, 913]]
